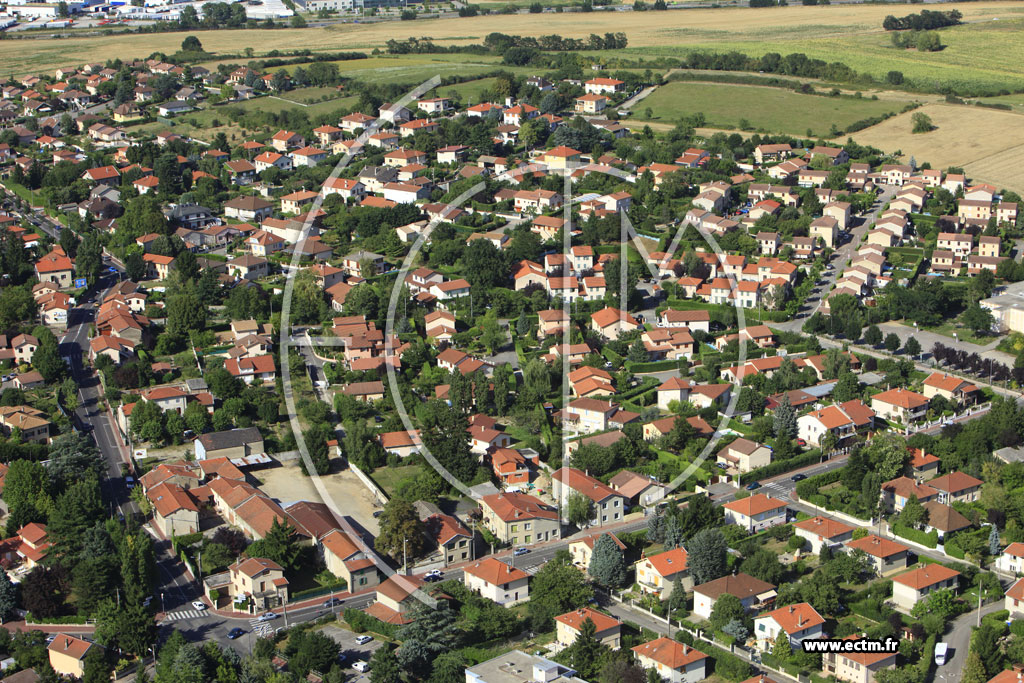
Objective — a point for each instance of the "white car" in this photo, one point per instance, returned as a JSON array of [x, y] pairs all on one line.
[[363, 640], [361, 667], [199, 604], [267, 616]]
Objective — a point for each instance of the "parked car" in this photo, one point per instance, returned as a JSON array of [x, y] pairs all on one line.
[[753, 486], [801, 442], [434, 575], [361, 667], [235, 633], [363, 640], [199, 604]]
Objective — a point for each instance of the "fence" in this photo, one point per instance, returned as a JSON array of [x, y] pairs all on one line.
[[375, 491]]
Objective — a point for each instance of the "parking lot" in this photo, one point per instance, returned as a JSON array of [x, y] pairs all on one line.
[[353, 651]]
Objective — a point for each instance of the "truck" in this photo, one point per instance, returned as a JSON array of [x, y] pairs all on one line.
[[940, 653]]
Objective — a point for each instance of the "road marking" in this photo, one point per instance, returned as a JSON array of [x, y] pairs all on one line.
[[187, 614]]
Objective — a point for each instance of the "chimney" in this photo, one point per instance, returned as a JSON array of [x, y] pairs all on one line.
[[791, 608]]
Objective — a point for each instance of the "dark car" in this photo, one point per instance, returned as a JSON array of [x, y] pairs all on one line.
[[333, 602], [798, 477], [235, 633], [753, 485]]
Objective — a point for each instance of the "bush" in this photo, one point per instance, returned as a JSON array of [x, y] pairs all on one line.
[[360, 622]]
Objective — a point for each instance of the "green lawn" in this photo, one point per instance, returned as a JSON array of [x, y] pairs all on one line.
[[389, 477], [771, 109], [413, 69]]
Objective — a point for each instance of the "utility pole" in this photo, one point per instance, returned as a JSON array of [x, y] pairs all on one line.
[[405, 559]]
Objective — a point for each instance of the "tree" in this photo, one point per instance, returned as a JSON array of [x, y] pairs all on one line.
[[892, 342], [847, 388], [619, 670], [557, 588], [384, 666], [608, 565], [782, 649], [913, 513], [42, 593], [763, 564], [186, 312], [191, 44], [279, 544], [873, 335], [784, 419], [706, 555], [912, 347], [97, 669], [135, 267], [637, 351], [8, 596], [586, 654], [993, 541], [401, 531], [978, 319], [579, 509], [974, 669], [727, 607], [922, 123]]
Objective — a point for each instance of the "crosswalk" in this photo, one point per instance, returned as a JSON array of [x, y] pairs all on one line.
[[185, 614], [777, 487]]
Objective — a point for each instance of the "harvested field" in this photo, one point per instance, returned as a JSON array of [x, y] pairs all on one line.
[[987, 143]]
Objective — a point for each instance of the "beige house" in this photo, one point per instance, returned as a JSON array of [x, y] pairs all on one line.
[[744, 455], [567, 627], [1014, 600], [959, 391], [887, 557], [900, 405], [822, 531], [232, 443], [261, 580], [395, 599], [497, 581], [915, 586], [582, 549], [609, 506], [673, 661], [519, 518], [175, 511], [67, 654], [856, 667], [611, 322], [657, 573], [346, 560], [957, 487], [755, 513], [32, 423]]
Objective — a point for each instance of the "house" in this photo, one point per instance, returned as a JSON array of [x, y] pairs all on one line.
[[799, 622], [673, 661], [32, 423], [609, 506], [611, 322], [753, 593], [604, 85], [232, 443], [915, 586], [260, 368], [673, 389], [497, 581], [956, 487], [24, 347], [56, 267], [658, 573], [270, 159], [568, 625], [582, 549], [953, 389], [637, 488], [167, 398], [512, 466], [755, 513], [896, 492], [259, 579], [519, 518], [175, 511], [67, 654], [1011, 560], [744, 455], [900, 405], [453, 540], [366, 392], [591, 103], [248, 267], [699, 320], [841, 420], [590, 415], [886, 557], [923, 466], [822, 531], [856, 667], [284, 140], [1014, 600]]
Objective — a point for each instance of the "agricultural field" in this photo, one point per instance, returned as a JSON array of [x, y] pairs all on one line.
[[987, 143], [771, 109], [985, 51]]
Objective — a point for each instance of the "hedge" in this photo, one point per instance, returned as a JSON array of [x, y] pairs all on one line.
[[809, 486], [954, 550], [930, 539], [185, 540], [772, 469], [652, 366], [73, 619], [361, 622]]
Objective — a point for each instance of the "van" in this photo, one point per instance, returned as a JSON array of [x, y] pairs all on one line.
[[940, 653]]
